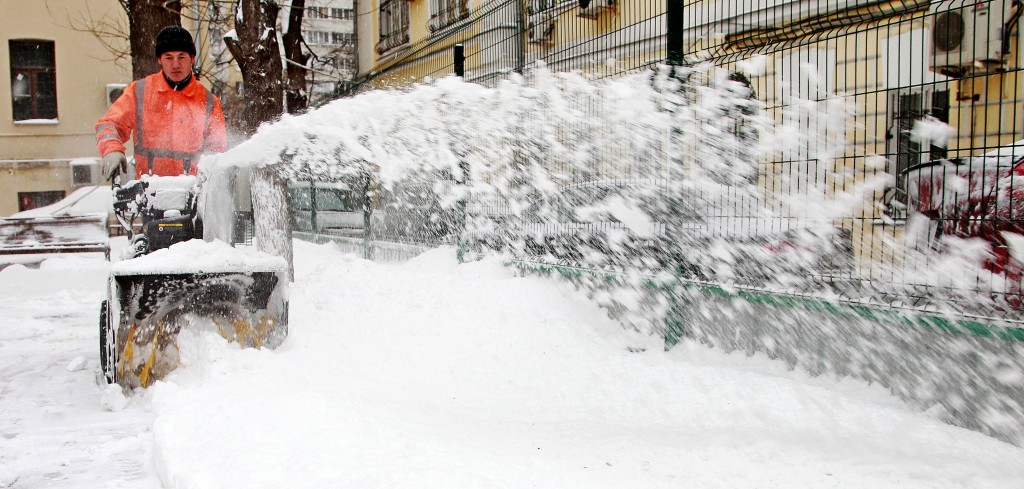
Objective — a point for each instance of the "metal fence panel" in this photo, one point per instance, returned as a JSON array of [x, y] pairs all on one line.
[[912, 91]]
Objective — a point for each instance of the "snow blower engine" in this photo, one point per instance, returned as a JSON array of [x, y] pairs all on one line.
[[168, 212], [170, 279]]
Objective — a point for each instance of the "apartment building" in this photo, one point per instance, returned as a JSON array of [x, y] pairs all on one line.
[[329, 30]]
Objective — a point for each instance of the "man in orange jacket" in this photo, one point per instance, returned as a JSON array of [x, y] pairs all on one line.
[[174, 118]]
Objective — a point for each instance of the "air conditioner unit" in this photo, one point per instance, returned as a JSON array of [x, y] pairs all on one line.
[[85, 171], [593, 8], [966, 33], [114, 91], [541, 30]]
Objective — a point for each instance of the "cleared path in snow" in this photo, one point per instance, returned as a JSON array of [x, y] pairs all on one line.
[[55, 429]]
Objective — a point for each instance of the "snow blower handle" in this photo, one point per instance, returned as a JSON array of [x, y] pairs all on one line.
[[127, 202]]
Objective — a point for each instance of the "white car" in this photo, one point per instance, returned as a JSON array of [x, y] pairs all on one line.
[[330, 208]]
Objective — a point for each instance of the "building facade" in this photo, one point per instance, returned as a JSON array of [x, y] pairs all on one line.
[[61, 79], [329, 30]]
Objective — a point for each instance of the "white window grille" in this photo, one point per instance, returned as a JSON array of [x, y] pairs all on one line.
[[393, 24], [446, 12]]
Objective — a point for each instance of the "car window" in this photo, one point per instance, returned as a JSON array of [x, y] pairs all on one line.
[[337, 200], [299, 198]]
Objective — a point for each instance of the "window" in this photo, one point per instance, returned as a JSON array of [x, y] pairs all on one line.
[[913, 93], [33, 80], [35, 200], [446, 12], [316, 12], [537, 6], [906, 107], [339, 63], [335, 38], [394, 24], [315, 37], [343, 38], [345, 64], [329, 13]]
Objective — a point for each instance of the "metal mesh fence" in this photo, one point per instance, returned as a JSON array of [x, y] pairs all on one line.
[[912, 110]]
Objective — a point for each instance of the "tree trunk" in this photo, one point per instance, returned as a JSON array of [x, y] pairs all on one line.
[[145, 19], [296, 98], [272, 222], [257, 52]]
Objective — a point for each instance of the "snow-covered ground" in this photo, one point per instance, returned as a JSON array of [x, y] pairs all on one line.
[[432, 374]]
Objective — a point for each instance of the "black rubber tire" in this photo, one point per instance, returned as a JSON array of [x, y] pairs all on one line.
[[105, 363]]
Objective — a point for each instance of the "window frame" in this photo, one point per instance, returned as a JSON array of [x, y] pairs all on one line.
[[36, 74], [392, 24], [39, 198], [904, 152], [444, 13], [538, 6]]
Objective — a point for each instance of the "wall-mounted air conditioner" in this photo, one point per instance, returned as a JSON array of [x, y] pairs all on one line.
[[85, 171], [967, 33], [594, 8], [541, 30], [114, 90]]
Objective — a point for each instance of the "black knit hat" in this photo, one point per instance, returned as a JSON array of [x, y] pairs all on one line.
[[174, 38]]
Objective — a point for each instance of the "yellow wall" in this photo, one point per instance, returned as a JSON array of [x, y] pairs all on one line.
[[84, 67], [37, 176], [986, 110]]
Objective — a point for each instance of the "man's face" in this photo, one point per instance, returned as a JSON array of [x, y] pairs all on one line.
[[176, 65]]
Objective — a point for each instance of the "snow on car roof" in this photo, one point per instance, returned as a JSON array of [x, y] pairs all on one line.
[[81, 202], [999, 158], [1015, 150]]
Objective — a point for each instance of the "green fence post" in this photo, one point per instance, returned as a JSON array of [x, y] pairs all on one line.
[[312, 212], [367, 220]]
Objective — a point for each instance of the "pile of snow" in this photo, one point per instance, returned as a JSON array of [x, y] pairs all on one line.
[[433, 374]]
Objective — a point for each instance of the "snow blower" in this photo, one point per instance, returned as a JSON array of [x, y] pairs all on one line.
[[171, 279]]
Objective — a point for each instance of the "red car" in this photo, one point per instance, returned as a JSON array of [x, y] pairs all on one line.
[[976, 197]]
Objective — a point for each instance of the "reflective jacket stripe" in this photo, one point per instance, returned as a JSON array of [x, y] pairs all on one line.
[[106, 131], [209, 109], [174, 155], [187, 160], [140, 145]]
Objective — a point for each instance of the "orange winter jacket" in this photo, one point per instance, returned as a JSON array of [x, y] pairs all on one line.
[[172, 128]]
